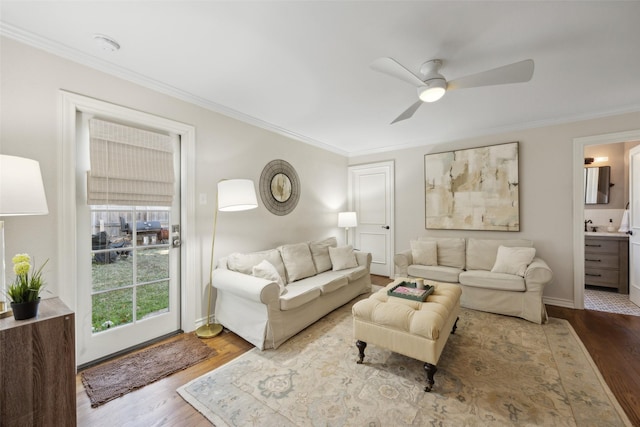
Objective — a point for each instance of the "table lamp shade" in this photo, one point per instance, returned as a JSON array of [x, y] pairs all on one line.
[[236, 195], [21, 187], [347, 219]]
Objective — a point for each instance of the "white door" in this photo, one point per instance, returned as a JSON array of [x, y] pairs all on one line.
[[634, 225], [128, 268], [371, 196]]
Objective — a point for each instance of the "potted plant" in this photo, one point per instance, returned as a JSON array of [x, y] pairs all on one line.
[[24, 292]]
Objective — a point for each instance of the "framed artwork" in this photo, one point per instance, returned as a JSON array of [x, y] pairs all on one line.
[[473, 189]]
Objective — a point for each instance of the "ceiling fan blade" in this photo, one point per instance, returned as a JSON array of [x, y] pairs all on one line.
[[395, 69], [408, 112], [518, 72]]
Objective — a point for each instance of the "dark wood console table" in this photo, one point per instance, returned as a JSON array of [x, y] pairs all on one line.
[[38, 368]]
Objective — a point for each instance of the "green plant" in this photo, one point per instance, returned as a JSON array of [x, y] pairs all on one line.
[[25, 287]]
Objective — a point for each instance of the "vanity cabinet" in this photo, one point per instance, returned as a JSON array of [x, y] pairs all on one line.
[[606, 262], [38, 368]]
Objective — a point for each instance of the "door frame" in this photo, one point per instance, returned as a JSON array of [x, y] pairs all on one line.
[[578, 203], [390, 164], [71, 103]]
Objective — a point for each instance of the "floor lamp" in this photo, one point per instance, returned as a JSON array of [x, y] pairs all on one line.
[[346, 220], [233, 195], [21, 193]]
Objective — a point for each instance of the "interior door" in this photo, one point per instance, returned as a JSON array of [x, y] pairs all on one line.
[[634, 225], [128, 268], [371, 196]]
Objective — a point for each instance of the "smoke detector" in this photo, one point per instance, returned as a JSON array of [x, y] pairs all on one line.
[[106, 43]]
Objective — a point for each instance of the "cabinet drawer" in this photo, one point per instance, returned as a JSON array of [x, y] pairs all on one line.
[[598, 277], [601, 246], [596, 260]]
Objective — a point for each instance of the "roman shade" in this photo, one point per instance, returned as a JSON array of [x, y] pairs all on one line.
[[129, 166]]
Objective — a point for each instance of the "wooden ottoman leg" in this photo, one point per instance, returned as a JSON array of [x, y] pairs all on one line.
[[455, 326], [431, 370], [361, 346]]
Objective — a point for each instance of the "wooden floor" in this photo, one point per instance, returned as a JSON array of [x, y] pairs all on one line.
[[613, 340]]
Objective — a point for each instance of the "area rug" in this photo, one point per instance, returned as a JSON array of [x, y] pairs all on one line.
[[113, 379], [495, 370]]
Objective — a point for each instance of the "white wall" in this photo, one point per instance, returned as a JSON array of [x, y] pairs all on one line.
[[30, 126], [546, 191]]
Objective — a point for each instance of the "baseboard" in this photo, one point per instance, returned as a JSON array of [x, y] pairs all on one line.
[[559, 302]]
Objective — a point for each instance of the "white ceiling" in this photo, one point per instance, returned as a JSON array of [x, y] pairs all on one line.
[[301, 68]]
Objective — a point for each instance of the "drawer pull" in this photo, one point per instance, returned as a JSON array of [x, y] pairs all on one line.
[[593, 260], [593, 246], [593, 275]]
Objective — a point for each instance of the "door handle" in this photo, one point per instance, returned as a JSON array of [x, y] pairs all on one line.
[[630, 233], [386, 227]]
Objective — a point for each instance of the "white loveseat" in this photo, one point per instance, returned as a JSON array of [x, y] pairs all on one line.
[[317, 277], [497, 276]]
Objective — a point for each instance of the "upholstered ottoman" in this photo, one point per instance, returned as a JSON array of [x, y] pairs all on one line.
[[415, 329]]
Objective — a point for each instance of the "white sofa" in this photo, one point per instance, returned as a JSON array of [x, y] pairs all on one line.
[[512, 286], [317, 277]]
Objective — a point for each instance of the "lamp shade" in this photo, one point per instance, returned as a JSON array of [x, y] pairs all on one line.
[[347, 219], [21, 187], [236, 195]]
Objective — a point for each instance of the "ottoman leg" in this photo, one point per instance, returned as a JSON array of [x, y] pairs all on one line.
[[361, 346], [455, 326], [431, 370]]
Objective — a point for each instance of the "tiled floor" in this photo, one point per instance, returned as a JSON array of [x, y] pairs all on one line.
[[609, 301]]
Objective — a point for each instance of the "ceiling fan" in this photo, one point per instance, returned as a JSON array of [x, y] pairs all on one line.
[[432, 85]]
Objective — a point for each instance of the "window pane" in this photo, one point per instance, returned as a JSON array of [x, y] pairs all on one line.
[[112, 309], [153, 264], [113, 275], [153, 299]]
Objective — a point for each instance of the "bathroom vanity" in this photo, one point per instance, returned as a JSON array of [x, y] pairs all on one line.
[[606, 260]]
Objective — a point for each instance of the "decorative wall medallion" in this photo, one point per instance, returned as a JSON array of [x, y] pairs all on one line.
[[279, 187]]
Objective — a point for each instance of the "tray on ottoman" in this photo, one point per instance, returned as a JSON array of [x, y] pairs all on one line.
[[408, 290]]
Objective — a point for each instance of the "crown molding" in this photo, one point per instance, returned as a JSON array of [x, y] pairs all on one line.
[[72, 54]]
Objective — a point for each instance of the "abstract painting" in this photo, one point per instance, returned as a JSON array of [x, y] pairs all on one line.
[[473, 189]]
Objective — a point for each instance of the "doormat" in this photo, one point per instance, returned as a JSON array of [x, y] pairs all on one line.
[[118, 377]]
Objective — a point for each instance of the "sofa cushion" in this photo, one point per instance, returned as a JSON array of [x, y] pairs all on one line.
[[298, 294], [243, 263], [320, 253], [488, 280], [266, 270], [438, 273], [297, 261], [327, 282], [424, 253], [450, 251], [513, 260], [481, 253], [342, 257]]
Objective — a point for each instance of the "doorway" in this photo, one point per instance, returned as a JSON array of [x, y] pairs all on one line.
[[371, 196], [189, 301], [585, 148]]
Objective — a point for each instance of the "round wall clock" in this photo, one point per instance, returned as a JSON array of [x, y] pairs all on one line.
[[279, 187]]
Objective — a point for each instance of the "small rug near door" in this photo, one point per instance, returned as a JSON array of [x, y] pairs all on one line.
[[495, 370], [115, 378]]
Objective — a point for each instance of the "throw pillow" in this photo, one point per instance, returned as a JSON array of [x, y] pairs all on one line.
[[424, 253], [342, 257], [320, 253], [266, 270], [297, 260], [243, 263], [513, 260]]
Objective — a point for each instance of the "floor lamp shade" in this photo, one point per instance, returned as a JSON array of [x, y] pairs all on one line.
[[234, 195], [21, 193]]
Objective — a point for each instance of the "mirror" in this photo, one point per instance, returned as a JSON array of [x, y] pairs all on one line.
[[596, 185]]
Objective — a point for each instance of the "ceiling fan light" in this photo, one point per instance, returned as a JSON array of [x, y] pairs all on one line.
[[434, 90]]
